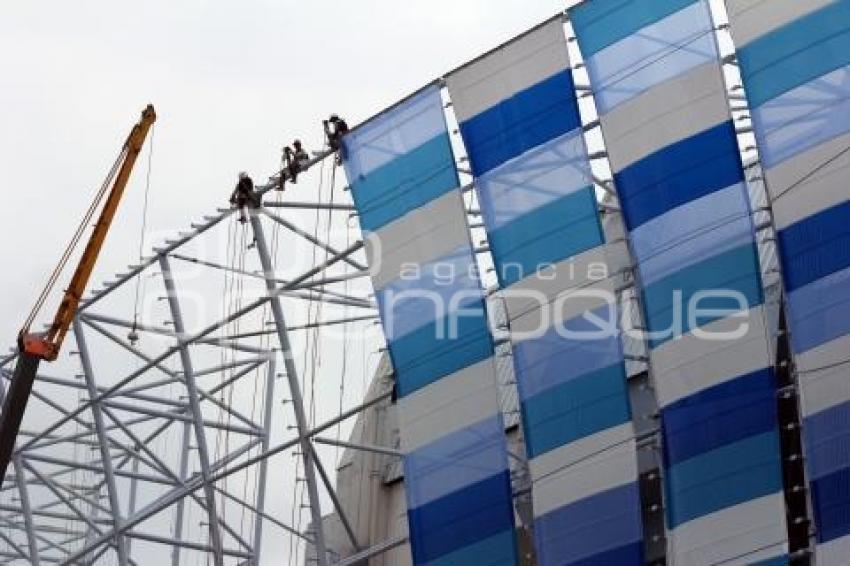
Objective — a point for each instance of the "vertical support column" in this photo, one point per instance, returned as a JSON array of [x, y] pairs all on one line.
[[23, 491], [134, 490], [103, 442], [195, 407], [261, 476], [295, 389], [181, 505]]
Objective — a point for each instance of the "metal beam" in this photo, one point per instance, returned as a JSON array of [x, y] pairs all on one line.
[[105, 456], [195, 409], [294, 388]]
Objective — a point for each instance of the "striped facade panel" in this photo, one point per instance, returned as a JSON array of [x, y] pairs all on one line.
[[404, 182], [656, 77], [795, 64], [520, 123]]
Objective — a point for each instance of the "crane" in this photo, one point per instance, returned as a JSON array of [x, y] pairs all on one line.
[[35, 347]]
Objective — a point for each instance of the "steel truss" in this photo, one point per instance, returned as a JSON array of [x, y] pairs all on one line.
[[135, 450]]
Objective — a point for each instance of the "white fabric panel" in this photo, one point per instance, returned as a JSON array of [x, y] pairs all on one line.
[[430, 232], [565, 307], [448, 405], [568, 274], [823, 376], [581, 449], [599, 472], [665, 114], [752, 19], [691, 363], [509, 69], [728, 536], [833, 553], [655, 54], [811, 192]]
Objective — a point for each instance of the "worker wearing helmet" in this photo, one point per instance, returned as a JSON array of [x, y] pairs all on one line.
[[244, 195], [335, 128]]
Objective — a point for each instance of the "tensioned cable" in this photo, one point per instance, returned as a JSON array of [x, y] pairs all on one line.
[[75, 239], [144, 225]]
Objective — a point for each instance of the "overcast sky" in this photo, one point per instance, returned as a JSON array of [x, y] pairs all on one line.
[[231, 81]]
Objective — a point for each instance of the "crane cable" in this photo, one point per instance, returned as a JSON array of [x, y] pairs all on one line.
[[144, 227], [75, 239]]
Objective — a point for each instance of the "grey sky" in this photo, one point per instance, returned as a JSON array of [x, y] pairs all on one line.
[[232, 82]]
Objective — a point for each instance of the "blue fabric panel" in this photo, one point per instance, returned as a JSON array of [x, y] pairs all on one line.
[[720, 415], [729, 475], [679, 173], [430, 352], [394, 133], [818, 311], [804, 117], [406, 183], [797, 53], [827, 441], [601, 530], [575, 409], [561, 229], [831, 502], [461, 519], [560, 355], [497, 550], [526, 120], [455, 461], [534, 180], [656, 54], [434, 291], [816, 246], [778, 561], [686, 235], [603, 22], [735, 270]]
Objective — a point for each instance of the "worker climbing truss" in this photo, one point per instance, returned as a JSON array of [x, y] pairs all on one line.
[[151, 437]]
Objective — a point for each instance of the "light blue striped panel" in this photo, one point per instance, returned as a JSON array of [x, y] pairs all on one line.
[[605, 22], [710, 225], [796, 53], [458, 486], [575, 409], [553, 359], [736, 270], [431, 292], [400, 160], [394, 133], [542, 238], [804, 117], [654, 54]]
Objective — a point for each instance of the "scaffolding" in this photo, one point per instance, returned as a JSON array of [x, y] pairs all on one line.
[[170, 460]]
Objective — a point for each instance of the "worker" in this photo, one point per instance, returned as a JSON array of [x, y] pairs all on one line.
[[244, 195], [296, 160], [335, 128]]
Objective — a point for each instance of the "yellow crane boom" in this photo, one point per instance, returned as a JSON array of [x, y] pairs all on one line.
[[35, 347]]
